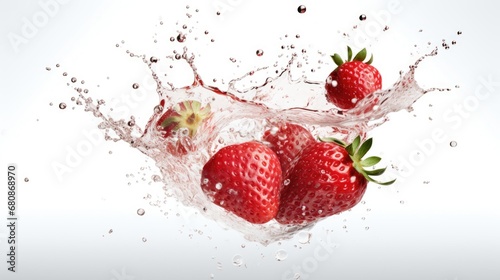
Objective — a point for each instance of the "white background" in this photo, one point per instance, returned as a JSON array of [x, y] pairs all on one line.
[[441, 220]]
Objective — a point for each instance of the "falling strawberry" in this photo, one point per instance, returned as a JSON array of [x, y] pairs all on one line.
[[287, 140], [352, 80], [244, 179], [328, 178], [180, 124]]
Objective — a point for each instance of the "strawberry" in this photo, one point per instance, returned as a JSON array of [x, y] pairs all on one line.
[[287, 140], [352, 80], [180, 123], [328, 178], [244, 179]]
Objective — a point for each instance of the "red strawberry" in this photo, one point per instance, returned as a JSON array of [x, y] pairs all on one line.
[[187, 115], [352, 80], [287, 140], [328, 178], [244, 179]]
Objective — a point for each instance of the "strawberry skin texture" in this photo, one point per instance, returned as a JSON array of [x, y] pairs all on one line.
[[322, 183], [287, 142], [244, 179], [354, 80]]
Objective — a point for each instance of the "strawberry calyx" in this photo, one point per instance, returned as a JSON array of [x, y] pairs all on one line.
[[187, 114], [360, 56], [357, 150]]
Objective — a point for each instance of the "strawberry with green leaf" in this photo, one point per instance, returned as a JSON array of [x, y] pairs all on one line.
[[352, 80], [329, 177]]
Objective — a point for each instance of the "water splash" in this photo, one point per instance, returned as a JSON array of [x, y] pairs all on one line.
[[242, 113]]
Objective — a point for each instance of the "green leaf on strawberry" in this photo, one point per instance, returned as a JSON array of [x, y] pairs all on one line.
[[357, 150], [187, 114]]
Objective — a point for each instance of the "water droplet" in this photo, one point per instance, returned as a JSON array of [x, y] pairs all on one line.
[[218, 186], [48, 68], [57, 65], [301, 9], [453, 143], [281, 255], [178, 56], [153, 59], [110, 231], [402, 202], [131, 123], [65, 74], [144, 239], [259, 52], [453, 42], [181, 38], [232, 192], [62, 105], [459, 32], [172, 39], [334, 83], [304, 237], [237, 260], [218, 13], [26, 179], [367, 228], [286, 182], [156, 178], [232, 59], [135, 85], [141, 212], [158, 109], [362, 17]]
